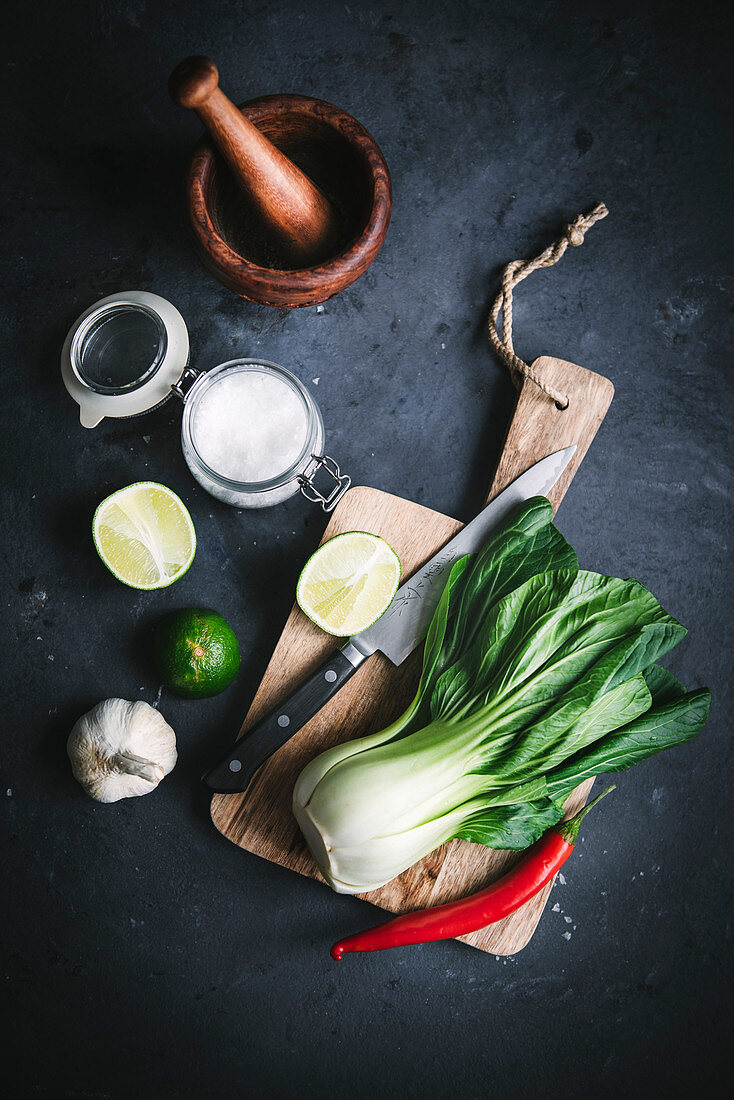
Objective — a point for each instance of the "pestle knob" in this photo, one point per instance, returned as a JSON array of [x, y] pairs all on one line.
[[290, 204]]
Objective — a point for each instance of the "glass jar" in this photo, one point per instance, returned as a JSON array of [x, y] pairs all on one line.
[[285, 477], [129, 352]]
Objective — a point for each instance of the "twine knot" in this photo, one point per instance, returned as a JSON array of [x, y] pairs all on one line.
[[513, 274]]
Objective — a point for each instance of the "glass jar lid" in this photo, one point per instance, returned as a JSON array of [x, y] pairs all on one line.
[[123, 354]]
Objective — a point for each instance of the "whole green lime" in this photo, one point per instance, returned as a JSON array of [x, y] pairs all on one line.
[[196, 652]]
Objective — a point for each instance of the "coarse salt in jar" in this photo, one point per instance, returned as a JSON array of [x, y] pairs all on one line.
[[251, 433], [250, 430]]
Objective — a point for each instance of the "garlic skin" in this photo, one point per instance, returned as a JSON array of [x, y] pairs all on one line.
[[121, 749]]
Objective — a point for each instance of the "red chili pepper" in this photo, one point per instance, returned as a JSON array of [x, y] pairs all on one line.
[[459, 918]]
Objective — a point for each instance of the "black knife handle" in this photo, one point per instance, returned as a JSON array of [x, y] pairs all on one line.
[[236, 770]]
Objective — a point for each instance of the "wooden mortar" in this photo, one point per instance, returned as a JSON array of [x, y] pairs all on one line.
[[298, 217]]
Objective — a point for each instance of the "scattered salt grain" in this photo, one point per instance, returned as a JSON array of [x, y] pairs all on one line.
[[562, 880], [319, 309], [567, 920], [316, 380], [567, 935], [556, 908], [9, 792]]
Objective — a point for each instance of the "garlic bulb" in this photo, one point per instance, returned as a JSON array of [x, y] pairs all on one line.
[[120, 749]]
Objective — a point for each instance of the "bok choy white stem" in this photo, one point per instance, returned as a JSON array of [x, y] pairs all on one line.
[[535, 675]]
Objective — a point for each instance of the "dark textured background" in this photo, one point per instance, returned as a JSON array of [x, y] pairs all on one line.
[[143, 954]]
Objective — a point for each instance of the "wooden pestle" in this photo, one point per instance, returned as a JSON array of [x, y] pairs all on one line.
[[290, 204]]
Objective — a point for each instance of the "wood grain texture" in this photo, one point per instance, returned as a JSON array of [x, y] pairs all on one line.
[[340, 156], [290, 204], [261, 820], [539, 428]]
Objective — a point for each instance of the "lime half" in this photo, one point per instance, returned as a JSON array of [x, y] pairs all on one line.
[[349, 582], [144, 535]]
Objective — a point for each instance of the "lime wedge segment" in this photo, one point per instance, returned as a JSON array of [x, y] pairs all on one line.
[[349, 582], [144, 535]]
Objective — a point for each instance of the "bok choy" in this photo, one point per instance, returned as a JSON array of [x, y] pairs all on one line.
[[536, 675]]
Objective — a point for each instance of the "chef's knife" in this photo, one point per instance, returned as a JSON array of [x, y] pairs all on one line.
[[396, 633]]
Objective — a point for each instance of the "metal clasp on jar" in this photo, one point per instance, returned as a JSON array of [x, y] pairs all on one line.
[[185, 382], [341, 481]]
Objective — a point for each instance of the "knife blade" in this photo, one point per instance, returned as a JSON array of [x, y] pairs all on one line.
[[396, 633]]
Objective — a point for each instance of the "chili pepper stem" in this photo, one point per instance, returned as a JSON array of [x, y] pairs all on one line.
[[569, 830]]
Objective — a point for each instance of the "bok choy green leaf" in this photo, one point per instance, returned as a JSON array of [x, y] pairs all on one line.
[[536, 675]]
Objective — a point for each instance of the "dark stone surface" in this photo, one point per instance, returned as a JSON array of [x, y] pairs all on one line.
[[143, 954]]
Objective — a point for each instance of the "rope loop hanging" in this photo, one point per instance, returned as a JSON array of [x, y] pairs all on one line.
[[513, 274]]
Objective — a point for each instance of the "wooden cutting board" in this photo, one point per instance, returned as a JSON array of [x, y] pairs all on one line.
[[261, 820]]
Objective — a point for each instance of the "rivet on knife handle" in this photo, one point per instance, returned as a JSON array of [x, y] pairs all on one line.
[[235, 771]]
